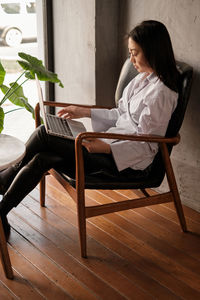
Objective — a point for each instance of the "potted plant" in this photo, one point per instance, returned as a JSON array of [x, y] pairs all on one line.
[[14, 92]]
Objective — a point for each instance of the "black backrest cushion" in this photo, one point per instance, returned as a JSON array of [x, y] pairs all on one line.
[[184, 92]]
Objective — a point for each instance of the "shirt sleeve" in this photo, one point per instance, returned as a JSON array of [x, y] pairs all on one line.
[[103, 119]]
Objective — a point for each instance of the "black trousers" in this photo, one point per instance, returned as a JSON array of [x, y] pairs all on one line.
[[55, 152], [44, 152]]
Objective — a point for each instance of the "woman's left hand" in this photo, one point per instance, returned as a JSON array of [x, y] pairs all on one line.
[[96, 146]]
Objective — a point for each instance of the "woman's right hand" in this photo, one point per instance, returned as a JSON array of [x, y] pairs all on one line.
[[74, 112]]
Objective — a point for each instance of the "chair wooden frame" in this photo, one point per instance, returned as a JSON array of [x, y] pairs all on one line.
[[5, 258], [78, 193]]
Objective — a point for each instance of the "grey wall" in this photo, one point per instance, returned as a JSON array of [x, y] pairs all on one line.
[[74, 28], [106, 34], [182, 18], [86, 50]]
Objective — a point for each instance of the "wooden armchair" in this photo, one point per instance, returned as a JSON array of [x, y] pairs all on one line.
[[160, 166]]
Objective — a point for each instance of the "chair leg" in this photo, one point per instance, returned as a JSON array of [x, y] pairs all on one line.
[[82, 235], [179, 208], [82, 223], [4, 254], [145, 192], [42, 191], [173, 187]]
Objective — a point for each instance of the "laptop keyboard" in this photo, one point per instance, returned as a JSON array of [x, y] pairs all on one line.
[[58, 125]]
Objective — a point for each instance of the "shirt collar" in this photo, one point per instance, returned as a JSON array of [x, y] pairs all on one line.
[[152, 77]]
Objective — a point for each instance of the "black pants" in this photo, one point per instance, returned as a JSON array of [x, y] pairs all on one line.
[[47, 151], [44, 152]]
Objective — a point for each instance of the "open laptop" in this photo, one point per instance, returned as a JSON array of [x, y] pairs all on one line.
[[55, 125]]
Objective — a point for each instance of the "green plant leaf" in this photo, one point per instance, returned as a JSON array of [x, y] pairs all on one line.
[[16, 94], [35, 66], [29, 108], [2, 74], [17, 97], [1, 119]]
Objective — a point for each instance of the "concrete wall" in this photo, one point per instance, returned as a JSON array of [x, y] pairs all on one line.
[[182, 18], [74, 28], [86, 56], [106, 33]]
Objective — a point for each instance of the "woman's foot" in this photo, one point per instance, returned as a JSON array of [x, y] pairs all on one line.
[[6, 227]]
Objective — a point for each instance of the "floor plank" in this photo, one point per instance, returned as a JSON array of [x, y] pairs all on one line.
[[134, 254], [68, 261], [5, 293], [117, 262]]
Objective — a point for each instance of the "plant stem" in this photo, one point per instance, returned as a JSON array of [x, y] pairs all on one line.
[[13, 110], [12, 92], [7, 93]]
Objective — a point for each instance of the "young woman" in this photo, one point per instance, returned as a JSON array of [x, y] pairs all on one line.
[[146, 107]]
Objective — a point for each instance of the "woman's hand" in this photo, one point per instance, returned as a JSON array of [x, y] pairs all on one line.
[[74, 112], [96, 146]]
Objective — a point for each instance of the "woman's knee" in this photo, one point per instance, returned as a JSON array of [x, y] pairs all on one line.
[[41, 131], [37, 137]]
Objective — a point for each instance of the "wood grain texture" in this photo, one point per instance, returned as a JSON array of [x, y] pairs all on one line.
[[135, 254]]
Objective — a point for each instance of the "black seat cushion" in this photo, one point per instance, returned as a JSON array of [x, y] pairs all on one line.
[[150, 177]]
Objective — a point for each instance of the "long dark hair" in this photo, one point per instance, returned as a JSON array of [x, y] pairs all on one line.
[[153, 37]]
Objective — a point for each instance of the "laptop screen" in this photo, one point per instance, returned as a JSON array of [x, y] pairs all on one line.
[[41, 100]]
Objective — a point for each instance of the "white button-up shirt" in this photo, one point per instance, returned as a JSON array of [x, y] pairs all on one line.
[[146, 107]]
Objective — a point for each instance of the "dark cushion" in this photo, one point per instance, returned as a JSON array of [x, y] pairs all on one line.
[[103, 181], [176, 121]]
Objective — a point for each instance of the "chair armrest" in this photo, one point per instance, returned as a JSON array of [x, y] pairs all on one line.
[[80, 175], [61, 104], [37, 115], [132, 137]]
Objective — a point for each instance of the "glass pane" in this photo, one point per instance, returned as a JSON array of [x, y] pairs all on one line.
[[18, 33]]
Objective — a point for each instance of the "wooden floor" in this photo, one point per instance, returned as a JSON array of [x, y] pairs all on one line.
[[140, 254]]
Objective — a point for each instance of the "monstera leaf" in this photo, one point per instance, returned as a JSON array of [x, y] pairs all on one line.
[[14, 93], [35, 66], [16, 96]]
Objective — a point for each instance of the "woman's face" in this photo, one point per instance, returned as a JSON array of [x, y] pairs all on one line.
[[137, 57]]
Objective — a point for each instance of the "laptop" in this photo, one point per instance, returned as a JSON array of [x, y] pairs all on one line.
[[55, 125]]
